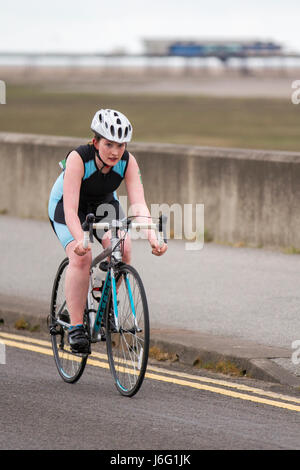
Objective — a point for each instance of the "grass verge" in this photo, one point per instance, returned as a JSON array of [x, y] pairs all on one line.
[[22, 324], [222, 367], [188, 120]]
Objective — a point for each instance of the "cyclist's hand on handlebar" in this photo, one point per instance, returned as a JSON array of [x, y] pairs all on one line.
[[80, 250], [158, 250]]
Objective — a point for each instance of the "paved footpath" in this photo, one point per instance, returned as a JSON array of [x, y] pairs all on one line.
[[241, 303]]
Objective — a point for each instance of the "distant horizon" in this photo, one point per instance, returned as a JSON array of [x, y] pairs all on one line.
[[122, 51]]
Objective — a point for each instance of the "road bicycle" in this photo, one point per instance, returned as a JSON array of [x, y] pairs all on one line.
[[116, 311]]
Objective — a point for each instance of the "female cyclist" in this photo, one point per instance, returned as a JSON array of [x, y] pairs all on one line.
[[90, 178]]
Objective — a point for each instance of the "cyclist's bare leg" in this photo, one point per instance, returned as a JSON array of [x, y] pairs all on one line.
[[127, 250], [77, 283], [127, 246]]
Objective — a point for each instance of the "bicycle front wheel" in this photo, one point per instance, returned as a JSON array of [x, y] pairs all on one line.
[[70, 365], [127, 341]]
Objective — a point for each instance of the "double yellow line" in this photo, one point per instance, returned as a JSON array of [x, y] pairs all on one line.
[[221, 387]]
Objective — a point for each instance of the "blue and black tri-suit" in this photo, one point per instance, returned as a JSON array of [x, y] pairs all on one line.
[[96, 189]]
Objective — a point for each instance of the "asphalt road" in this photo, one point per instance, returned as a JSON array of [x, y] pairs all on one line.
[[171, 411], [246, 293]]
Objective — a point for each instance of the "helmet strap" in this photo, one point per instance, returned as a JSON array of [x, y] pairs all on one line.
[[98, 155]]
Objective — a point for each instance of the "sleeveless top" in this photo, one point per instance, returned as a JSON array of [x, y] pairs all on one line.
[[96, 187]]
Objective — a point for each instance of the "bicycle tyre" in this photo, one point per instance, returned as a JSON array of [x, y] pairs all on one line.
[[128, 349], [70, 365]]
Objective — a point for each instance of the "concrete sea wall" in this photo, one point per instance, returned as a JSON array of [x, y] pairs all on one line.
[[249, 196]]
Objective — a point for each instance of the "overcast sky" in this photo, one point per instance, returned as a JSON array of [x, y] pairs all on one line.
[[104, 25]]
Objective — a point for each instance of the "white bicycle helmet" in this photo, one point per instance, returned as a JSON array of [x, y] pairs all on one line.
[[112, 125]]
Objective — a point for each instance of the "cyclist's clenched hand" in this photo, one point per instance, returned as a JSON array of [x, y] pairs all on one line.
[[80, 250], [158, 250]]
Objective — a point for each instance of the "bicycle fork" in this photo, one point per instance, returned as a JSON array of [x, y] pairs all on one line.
[[96, 316]]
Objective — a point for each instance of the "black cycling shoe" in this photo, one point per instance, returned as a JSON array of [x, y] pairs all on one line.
[[78, 340]]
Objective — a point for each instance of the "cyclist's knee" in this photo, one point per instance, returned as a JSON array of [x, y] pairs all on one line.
[[79, 262]]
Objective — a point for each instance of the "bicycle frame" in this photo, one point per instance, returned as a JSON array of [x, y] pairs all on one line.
[[120, 316], [109, 283], [115, 252], [102, 306]]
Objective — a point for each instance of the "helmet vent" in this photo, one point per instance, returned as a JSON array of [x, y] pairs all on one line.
[[112, 125]]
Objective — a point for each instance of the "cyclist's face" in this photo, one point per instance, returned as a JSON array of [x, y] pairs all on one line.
[[110, 152]]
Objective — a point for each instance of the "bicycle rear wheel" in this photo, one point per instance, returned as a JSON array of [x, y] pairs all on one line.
[[128, 348], [70, 365]]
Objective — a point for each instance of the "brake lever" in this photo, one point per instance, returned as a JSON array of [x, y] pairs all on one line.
[[162, 228], [91, 234], [87, 226]]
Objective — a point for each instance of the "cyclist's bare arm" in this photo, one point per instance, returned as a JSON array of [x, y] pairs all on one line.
[[135, 191], [72, 181]]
